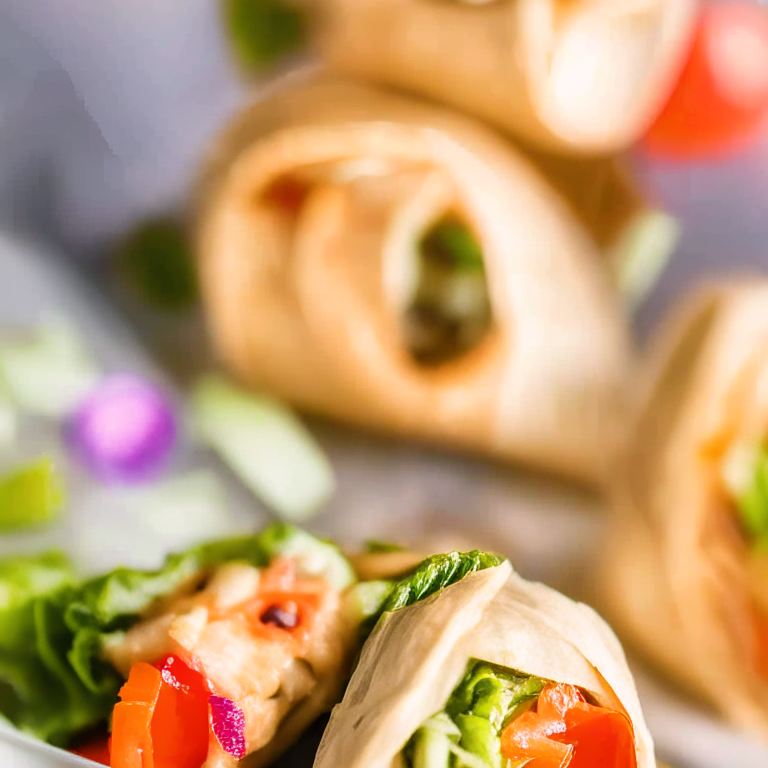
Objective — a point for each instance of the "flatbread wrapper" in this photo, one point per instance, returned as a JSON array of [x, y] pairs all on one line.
[[674, 580], [308, 305], [585, 76], [417, 655]]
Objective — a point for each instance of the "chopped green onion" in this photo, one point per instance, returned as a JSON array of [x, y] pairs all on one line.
[[30, 495], [263, 31], [452, 242], [266, 445], [643, 253], [156, 259], [49, 373]]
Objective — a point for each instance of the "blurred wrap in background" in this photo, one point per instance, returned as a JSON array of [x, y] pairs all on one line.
[[106, 109]]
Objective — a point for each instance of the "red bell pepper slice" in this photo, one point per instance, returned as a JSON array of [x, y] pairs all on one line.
[[566, 731], [162, 718], [132, 718]]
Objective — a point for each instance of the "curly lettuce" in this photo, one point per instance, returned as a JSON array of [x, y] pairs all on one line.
[[54, 681]]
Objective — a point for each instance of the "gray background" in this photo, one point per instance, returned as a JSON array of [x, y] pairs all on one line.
[[105, 107]]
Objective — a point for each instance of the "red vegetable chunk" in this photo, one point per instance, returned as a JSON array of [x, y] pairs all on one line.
[[566, 731], [722, 95]]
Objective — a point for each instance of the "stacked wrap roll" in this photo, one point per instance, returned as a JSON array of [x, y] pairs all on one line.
[[304, 297], [416, 655], [581, 76], [676, 578]]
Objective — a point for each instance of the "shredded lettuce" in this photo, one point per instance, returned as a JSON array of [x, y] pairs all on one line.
[[30, 495], [430, 576], [54, 681], [745, 472], [452, 242], [467, 734]]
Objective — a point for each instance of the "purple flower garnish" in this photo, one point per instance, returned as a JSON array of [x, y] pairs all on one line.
[[124, 431]]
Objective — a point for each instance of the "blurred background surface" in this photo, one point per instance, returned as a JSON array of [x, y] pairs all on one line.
[[105, 111]]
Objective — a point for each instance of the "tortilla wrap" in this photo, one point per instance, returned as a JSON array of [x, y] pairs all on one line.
[[308, 306], [415, 656], [674, 578], [586, 76]]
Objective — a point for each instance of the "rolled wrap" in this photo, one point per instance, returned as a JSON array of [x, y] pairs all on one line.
[[675, 578], [308, 305], [583, 76], [415, 657]]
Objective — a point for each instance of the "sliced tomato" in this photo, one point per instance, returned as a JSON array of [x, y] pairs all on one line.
[[95, 749], [566, 731], [722, 94], [162, 718]]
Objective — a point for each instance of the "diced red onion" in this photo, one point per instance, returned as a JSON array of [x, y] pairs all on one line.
[[124, 431], [228, 722]]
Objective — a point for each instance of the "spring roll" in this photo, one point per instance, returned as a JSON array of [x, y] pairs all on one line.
[[490, 671], [686, 569], [386, 263], [219, 659], [586, 76]]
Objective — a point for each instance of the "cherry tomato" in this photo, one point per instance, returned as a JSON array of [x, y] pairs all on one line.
[[722, 95]]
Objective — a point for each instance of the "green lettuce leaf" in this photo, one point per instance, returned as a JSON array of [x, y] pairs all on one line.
[[54, 681], [431, 576], [752, 499], [29, 696], [452, 242], [482, 704], [436, 573]]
